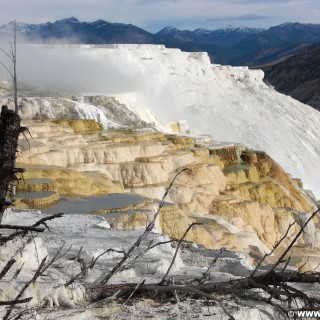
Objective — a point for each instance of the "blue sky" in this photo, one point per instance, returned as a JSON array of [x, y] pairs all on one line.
[[153, 15]]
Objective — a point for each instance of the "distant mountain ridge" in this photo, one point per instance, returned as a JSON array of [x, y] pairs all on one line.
[[278, 42], [298, 76], [227, 37], [73, 30], [231, 45]]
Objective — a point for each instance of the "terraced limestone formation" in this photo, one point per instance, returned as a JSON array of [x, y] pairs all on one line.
[[242, 197], [40, 192]]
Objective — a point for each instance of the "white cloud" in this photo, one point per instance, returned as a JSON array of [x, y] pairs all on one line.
[[246, 17]]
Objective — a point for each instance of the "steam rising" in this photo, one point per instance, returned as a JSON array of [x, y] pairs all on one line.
[[61, 68], [80, 69]]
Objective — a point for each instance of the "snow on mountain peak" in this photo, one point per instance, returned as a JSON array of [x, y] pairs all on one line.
[[168, 29], [202, 31], [69, 20]]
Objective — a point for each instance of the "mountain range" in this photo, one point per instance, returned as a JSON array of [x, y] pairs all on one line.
[[234, 46], [298, 76]]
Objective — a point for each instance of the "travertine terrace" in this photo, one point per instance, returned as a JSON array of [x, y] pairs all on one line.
[[244, 199]]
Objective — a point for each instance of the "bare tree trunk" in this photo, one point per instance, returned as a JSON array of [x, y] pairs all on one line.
[[9, 133], [12, 70], [14, 62], [13, 192]]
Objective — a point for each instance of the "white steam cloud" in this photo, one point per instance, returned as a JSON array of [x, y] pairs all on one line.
[[131, 72], [61, 68]]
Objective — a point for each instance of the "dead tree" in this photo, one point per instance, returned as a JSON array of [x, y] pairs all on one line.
[[10, 129], [11, 68]]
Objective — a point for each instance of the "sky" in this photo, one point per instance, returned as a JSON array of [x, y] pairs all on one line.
[[153, 15]]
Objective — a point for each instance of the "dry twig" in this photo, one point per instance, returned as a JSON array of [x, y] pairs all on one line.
[[119, 266]]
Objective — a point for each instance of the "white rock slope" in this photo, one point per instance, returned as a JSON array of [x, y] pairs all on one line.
[[232, 104]]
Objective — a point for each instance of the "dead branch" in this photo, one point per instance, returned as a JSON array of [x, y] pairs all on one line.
[[240, 285], [292, 243], [127, 288], [134, 291], [39, 272], [272, 251], [36, 275], [177, 250], [12, 260], [270, 287], [146, 250], [25, 228], [175, 292], [90, 266], [44, 220], [206, 274], [149, 228], [142, 290], [19, 314], [14, 302], [56, 257], [103, 300], [16, 274], [7, 267], [276, 287]]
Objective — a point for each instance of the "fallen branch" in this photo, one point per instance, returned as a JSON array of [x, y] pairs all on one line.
[[206, 274], [36, 275], [90, 266], [146, 250], [292, 243], [177, 250], [25, 228], [44, 220], [149, 228], [134, 291], [225, 287], [7, 267], [272, 251], [39, 272], [14, 302]]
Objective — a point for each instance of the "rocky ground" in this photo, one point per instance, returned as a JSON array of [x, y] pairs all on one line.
[[51, 300], [110, 183]]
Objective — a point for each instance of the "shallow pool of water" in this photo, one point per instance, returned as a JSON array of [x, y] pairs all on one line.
[[93, 203], [35, 195]]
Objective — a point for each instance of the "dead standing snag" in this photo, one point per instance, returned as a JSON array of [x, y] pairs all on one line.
[[10, 130]]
